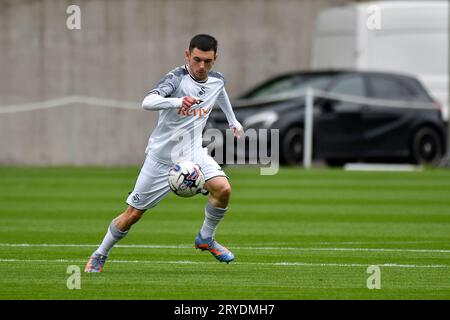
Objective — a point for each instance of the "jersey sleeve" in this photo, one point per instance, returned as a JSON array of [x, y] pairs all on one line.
[[224, 103], [165, 87], [155, 102], [169, 84]]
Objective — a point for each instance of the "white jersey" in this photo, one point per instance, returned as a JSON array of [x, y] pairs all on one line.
[[178, 134]]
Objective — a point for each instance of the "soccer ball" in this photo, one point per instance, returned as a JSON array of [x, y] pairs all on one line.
[[186, 179]]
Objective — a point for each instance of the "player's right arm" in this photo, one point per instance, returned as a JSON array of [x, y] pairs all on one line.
[[156, 102]]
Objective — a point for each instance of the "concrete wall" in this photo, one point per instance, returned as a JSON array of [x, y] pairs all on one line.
[[122, 49]]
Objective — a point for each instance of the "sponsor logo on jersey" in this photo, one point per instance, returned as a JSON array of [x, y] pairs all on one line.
[[200, 112]]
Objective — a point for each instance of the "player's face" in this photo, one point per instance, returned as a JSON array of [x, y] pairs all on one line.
[[200, 62]]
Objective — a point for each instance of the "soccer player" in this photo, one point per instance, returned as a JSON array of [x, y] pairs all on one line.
[[184, 99]]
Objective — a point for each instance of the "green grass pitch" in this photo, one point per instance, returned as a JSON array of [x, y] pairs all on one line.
[[296, 235]]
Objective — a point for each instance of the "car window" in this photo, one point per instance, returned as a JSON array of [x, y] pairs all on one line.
[[387, 88], [351, 85], [283, 84], [292, 85], [419, 91]]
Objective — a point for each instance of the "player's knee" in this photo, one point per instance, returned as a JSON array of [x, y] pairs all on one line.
[[224, 192]]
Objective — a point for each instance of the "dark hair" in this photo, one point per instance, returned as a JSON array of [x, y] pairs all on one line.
[[203, 42]]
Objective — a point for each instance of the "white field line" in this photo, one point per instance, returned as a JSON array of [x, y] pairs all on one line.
[[280, 264], [184, 246], [378, 242]]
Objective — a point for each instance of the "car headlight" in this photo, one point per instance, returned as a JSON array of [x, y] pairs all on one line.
[[263, 119]]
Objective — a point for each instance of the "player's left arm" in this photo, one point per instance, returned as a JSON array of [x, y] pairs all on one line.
[[224, 103]]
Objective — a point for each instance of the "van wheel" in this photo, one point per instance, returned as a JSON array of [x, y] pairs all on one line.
[[292, 146], [426, 147]]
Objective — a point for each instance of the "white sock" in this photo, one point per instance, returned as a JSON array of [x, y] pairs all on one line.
[[212, 218], [111, 238]]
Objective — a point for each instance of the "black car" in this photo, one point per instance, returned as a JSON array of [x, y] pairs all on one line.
[[346, 131]]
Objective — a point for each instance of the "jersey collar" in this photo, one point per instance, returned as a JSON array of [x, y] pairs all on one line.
[[192, 76]]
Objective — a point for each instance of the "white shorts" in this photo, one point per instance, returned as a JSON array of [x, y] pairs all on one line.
[[152, 183]]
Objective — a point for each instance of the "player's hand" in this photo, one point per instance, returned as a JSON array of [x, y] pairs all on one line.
[[188, 102], [238, 130]]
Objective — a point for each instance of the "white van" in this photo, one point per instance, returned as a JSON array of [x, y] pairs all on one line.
[[410, 37]]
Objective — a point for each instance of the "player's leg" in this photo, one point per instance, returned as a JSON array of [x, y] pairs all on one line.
[[151, 187], [129, 217], [117, 230], [220, 190], [216, 208]]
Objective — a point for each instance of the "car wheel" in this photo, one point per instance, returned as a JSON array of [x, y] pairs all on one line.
[[426, 147], [292, 146]]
